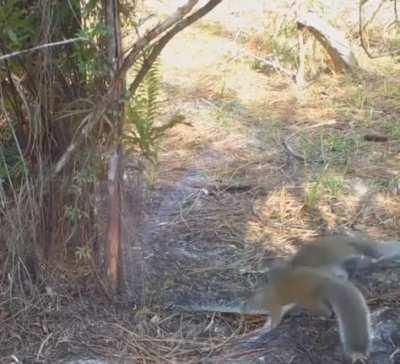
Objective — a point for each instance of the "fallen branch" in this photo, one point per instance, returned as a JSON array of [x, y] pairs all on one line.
[[289, 148], [274, 62]]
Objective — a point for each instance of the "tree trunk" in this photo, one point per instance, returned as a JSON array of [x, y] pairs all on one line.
[[113, 243]]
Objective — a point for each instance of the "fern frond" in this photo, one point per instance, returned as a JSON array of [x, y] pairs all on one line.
[[143, 110]]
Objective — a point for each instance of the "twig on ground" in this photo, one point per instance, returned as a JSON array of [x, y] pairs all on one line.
[[39, 353], [291, 136]]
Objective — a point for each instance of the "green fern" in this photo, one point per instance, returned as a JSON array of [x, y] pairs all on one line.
[[142, 112]]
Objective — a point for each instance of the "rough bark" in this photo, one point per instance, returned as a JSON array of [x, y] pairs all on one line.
[[113, 243]]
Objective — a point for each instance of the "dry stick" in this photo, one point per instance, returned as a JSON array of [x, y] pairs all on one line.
[[42, 46], [155, 52], [104, 103], [362, 40], [374, 14], [138, 338], [286, 141], [39, 353], [273, 63], [239, 354]]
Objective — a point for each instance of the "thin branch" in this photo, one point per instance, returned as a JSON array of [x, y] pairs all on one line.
[[273, 62], [159, 46], [286, 141], [42, 46], [361, 33], [374, 14], [152, 34]]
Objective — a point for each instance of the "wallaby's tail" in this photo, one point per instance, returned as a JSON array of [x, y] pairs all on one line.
[[353, 316]]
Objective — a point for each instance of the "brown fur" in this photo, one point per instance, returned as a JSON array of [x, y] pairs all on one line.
[[316, 290]]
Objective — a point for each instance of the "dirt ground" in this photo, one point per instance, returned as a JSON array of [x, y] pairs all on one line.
[[228, 200]]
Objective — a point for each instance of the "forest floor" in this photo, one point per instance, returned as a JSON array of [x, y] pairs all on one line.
[[228, 198]]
